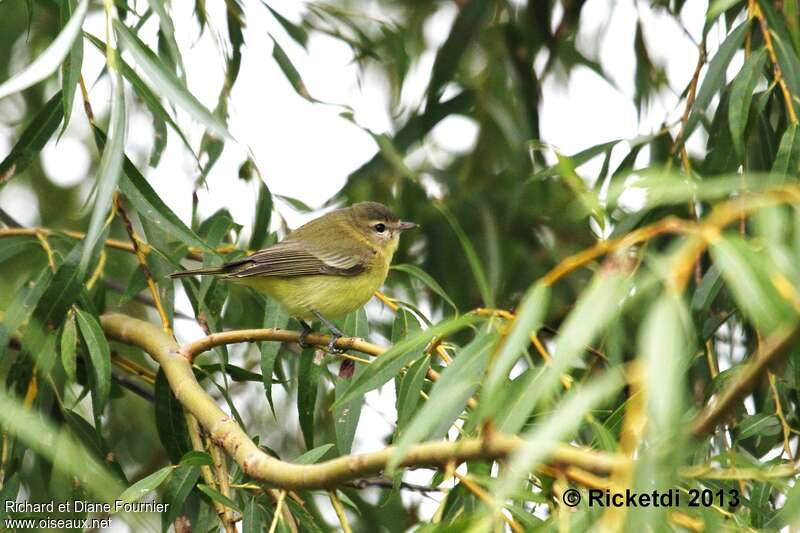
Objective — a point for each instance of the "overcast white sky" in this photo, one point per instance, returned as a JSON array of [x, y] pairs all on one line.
[[306, 150]]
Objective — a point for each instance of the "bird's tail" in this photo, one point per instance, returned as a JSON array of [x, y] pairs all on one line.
[[198, 272]]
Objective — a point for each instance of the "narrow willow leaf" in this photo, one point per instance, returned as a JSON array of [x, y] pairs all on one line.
[[289, 70], [665, 346], [787, 56], [425, 278], [49, 60], [561, 425], [409, 386], [196, 458], [176, 490], [274, 317], [389, 363], [715, 76], [472, 257], [296, 32], [758, 424], [217, 497], [308, 373], [71, 69], [314, 455], [787, 161], [21, 308], [748, 275], [718, 7], [148, 204], [168, 34], [164, 82], [517, 402], [146, 484], [465, 30], [530, 313], [347, 415], [109, 169], [151, 100], [69, 337], [33, 138], [99, 357], [254, 517], [741, 95], [296, 204], [170, 420], [263, 215], [37, 433], [448, 396]]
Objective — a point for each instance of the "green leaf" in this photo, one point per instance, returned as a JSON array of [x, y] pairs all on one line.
[[748, 275], [217, 497], [151, 100], [33, 138], [289, 70], [69, 338], [263, 215], [21, 307], [314, 455], [718, 7], [99, 357], [389, 363], [530, 313], [465, 30], [308, 373], [176, 490], [715, 77], [108, 171], [741, 95], [170, 420], [274, 317], [787, 161], [517, 402], [48, 61], [71, 69], [296, 32], [472, 256], [425, 278], [148, 204], [296, 204], [409, 386], [164, 82], [757, 425], [561, 425], [196, 458], [254, 517], [448, 396], [168, 33], [146, 484], [347, 415], [665, 344]]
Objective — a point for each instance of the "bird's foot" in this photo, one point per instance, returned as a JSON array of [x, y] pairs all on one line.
[[336, 335], [302, 339]]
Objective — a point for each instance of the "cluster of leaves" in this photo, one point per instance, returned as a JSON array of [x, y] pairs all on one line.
[[678, 317]]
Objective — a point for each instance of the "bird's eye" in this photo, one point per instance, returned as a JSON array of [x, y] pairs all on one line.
[[380, 228]]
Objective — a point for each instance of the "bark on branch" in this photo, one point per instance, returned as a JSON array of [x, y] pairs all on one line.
[[224, 431]]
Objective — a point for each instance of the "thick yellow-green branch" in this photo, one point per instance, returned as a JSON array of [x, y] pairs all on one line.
[[224, 431]]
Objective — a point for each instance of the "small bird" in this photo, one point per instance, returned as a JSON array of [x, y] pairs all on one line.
[[325, 268]]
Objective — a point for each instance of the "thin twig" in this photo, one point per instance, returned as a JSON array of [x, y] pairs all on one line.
[[337, 506]]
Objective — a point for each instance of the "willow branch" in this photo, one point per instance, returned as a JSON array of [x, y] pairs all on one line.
[[225, 432], [773, 351]]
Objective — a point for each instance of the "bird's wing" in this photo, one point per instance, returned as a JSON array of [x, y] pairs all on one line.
[[290, 258]]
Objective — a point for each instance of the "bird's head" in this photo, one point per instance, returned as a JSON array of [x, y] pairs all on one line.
[[379, 225]]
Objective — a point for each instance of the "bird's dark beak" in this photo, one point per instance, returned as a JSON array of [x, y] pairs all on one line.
[[407, 225]]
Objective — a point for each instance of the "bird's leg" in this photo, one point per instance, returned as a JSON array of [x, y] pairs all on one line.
[[335, 333], [306, 330]]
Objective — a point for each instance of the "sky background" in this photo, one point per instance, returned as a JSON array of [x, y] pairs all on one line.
[[306, 150]]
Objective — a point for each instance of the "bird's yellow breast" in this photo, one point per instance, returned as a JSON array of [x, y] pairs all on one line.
[[330, 295]]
